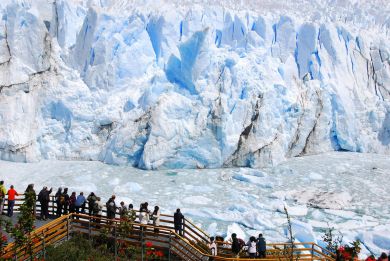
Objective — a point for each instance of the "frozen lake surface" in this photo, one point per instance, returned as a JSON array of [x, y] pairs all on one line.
[[347, 191]]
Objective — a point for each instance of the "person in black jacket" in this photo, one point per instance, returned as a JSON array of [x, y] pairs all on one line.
[[59, 202], [178, 220], [33, 196], [261, 246], [235, 245], [111, 207], [65, 200], [44, 199]]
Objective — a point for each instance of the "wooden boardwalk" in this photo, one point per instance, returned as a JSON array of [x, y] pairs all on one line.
[[191, 246]]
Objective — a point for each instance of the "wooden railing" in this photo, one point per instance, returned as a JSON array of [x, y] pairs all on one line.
[[194, 240], [187, 247], [53, 232]]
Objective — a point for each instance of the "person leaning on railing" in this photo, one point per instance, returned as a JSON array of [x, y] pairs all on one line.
[[156, 219], [122, 210], [33, 195], [97, 210], [65, 200], [72, 202], [143, 215], [111, 207], [178, 220], [213, 247], [261, 246], [80, 203], [236, 248], [44, 199], [91, 203], [11, 200], [59, 201]]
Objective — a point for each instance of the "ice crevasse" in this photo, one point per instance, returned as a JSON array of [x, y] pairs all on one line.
[[198, 86]]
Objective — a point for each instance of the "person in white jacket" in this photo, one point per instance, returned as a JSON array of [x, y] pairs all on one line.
[[213, 247], [156, 219], [143, 216], [98, 210], [252, 247]]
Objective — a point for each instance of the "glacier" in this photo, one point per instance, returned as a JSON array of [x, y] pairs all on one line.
[[169, 84]]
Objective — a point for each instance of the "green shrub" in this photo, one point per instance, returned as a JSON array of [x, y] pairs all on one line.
[[76, 249]]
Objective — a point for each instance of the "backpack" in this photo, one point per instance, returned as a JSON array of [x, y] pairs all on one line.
[[62, 199], [110, 205]]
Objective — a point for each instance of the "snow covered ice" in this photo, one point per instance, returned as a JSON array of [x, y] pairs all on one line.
[[221, 204], [160, 84]]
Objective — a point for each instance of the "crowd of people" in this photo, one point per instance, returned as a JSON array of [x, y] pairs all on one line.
[[91, 205], [255, 247]]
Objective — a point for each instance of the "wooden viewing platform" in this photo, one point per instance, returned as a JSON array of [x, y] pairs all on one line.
[[191, 246]]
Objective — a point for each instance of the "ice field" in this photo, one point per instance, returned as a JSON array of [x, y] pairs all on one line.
[[348, 191], [169, 84]]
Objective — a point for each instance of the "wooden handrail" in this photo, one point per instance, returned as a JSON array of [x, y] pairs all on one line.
[[192, 234], [56, 234]]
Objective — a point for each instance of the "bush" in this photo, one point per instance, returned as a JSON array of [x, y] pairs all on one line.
[[75, 249]]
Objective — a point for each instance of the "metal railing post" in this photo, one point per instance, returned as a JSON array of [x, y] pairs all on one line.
[[169, 246], [52, 208], [184, 226], [89, 228], [142, 243], [312, 251], [115, 247], [43, 245], [67, 228]]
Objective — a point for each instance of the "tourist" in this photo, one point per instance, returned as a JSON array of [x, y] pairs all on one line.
[[261, 246], [213, 247], [235, 245], [58, 201], [156, 219], [143, 216], [91, 202], [97, 210], [383, 257], [146, 204], [11, 200], [122, 210], [178, 220], [80, 203], [44, 199], [252, 247], [30, 194], [111, 207], [371, 258], [65, 200], [131, 213], [72, 202], [3, 192]]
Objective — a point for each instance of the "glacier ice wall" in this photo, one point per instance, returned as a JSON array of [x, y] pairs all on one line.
[[191, 86]]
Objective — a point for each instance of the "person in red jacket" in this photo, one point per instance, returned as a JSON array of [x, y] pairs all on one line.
[[11, 200]]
